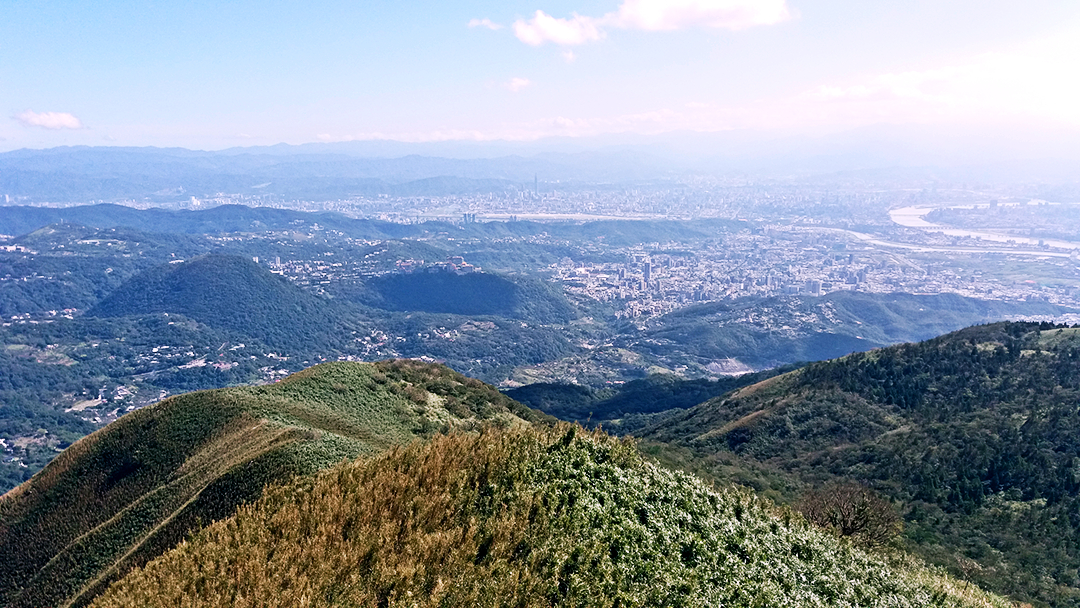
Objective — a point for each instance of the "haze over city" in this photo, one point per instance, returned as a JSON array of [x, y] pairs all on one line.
[[211, 76]]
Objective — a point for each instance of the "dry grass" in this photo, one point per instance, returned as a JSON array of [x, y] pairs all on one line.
[[129, 492], [521, 518]]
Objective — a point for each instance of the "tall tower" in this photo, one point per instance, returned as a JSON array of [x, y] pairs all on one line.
[[536, 184]]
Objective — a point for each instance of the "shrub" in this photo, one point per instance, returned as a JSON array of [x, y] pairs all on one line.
[[853, 511]]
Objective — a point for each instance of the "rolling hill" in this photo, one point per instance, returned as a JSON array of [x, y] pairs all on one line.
[[130, 491], [976, 433], [637, 398], [231, 293], [232, 218], [766, 332], [476, 294], [526, 518]]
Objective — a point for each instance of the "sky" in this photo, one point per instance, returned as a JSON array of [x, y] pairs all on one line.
[[213, 75]]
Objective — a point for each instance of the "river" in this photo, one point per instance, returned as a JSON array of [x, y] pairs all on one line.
[[914, 217]]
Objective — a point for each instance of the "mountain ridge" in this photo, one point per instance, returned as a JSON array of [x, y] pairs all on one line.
[[973, 432], [131, 490], [526, 518]]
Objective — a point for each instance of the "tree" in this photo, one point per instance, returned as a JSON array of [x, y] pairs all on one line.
[[854, 511]]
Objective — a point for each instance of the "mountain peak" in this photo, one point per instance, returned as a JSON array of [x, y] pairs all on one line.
[[125, 494]]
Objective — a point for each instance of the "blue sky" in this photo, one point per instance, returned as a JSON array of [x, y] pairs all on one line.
[[222, 74]]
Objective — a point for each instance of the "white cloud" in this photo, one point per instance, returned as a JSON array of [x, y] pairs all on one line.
[[517, 84], [652, 15], [49, 120], [545, 28], [569, 56], [485, 22]]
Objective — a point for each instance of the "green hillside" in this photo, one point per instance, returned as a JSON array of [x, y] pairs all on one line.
[[976, 433], [766, 332], [522, 518], [74, 266], [468, 294], [44, 367], [638, 398], [130, 491], [231, 293]]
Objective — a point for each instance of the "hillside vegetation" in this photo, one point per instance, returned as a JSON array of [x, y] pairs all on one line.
[[625, 406], [36, 374], [232, 293], [468, 294], [521, 518], [132, 490], [766, 332], [976, 433]]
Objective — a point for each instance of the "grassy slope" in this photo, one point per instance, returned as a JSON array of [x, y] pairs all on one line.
[[522, 518], [975, 433], [128, 492]]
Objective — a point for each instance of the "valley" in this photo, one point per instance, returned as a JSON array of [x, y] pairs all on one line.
[[103, 317], [981, 472], [605, 324]]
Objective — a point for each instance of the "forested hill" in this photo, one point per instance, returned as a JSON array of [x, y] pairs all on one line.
[[766, 332], [626, 405], [519, 297], [231, 293], [125, 494], [976, 433]]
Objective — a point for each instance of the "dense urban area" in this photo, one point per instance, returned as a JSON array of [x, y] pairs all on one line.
[[795, 241]]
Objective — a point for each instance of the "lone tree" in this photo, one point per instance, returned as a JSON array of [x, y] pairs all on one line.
[[854, 511]]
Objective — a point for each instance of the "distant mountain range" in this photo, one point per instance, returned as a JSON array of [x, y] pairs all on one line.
[[21, 220], [766, 332], [329, 171], [83, 174]]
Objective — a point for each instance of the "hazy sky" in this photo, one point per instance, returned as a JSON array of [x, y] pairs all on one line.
[[234, 73]]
